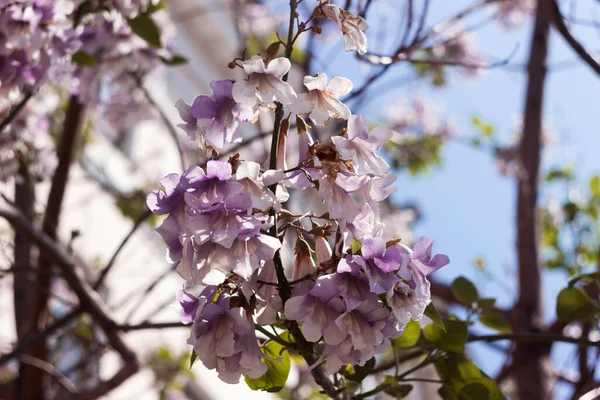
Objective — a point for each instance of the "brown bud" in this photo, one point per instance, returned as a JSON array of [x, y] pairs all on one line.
[[296, 14], [231, 65], [302, 26], [301, 126], [316, 29], [272, 51]]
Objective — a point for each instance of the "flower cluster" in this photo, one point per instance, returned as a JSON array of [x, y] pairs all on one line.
[[513, 13], [227, 225], [36, 41]]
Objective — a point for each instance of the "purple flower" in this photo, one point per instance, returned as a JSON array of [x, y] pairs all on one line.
[[361, 146], [224, 339], [420, 257], [216, 118], [189, 305], [163, 202], [264, 85], [336, 193], [408, 301], [317, 311]]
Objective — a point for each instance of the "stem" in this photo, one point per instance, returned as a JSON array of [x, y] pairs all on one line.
[[285, 292], [273, 337]]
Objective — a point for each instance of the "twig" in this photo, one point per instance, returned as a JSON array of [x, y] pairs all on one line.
[[14, 112], [151, 325], [50, 370]]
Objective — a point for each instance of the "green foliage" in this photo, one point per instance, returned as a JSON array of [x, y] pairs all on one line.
[[356, 246], [585, 278], [486, 304], [559, 174], [416, 154], [495, 321], [453, 339], [83, 59], [410, 337], [573, 304], [464, 291], [463, 380], [487, 130], [193, 358], [398, 391], [432, 313], [146, 28], [278, 368], [175, 59], [356, 373]]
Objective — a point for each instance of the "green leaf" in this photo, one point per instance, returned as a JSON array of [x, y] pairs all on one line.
[[356, 373], [146, 28], [398, 391], [432, 313], [83, 58], [487, 130], [557, 174], [474, 391], [486, 304], [356, 246], [174, 60], [152, 8], [453, 339], [495, 321], [464, 291], [193, 357], [464, 380], [573, 304], [586, 278], [278, 368], [595, 186], [411, 335]]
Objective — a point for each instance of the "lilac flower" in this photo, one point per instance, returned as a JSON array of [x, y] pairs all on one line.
[[336, 193], [409, 303], [303, 266], [513, 13], [420, 257], [267, 295], [322, 100], [224, 339], [163, 202], [351, 25], [216, 118], [362, 146], [317, 311], [189, 305], [264, 85], [256, 185]]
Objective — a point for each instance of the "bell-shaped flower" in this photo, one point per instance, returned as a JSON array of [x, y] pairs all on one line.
[[335, 190], [217, 118], [420, 257], [361, 146], [409, 302], [317, 311], [265, 84], [268, 299], [322, 100], [224, 339], [256, 185], [351, 25]]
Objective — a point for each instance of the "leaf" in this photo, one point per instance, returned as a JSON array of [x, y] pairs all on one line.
[[586, 278], [595, 186], [464, 291], [356, 373], [152, 8], [495, 321], [193, 358], [399, 391], [83, 58], [175, 59], [487, 130], [557, 174], [432, 313], [278, 369], [474, 391], [356, 246], [464, 380], [411, 335], [144, 27], [573, 304], [453, 339], [486, 304]]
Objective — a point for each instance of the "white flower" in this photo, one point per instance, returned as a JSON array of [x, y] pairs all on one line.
[[264, 84], [351, 25], [321, 101]]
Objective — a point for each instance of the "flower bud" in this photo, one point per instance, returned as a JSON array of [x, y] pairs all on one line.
[[272, 51]]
